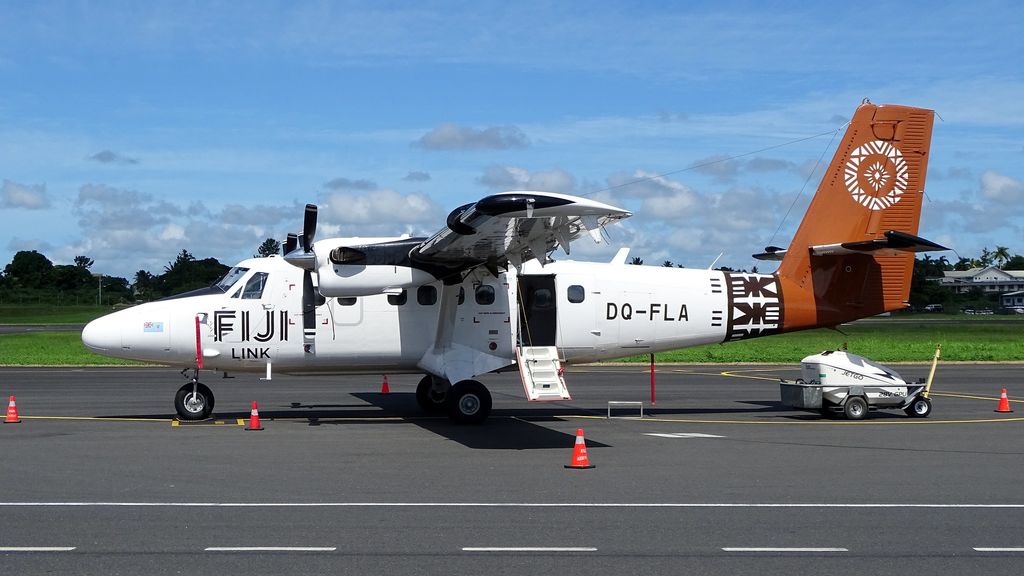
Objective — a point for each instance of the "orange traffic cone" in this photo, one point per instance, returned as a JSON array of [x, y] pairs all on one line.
[[384, 388], [579, 453], [254, 418], [1004, 402], [12, 412]]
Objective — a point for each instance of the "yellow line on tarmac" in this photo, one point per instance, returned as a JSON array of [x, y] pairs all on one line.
[[972, 397], [163, 420]]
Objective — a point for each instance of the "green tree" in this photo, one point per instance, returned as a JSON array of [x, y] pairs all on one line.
[[145, 284], [84, 262], [667, 264], [71, 278], [987, 256], [637, 261], [1001, 255], [268, 248], [186, 273], [29, 269], [1014, 263]]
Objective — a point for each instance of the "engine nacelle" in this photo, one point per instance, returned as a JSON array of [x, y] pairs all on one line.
[[347, 280]]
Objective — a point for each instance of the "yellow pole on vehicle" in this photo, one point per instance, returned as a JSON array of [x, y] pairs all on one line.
[[931, 374]]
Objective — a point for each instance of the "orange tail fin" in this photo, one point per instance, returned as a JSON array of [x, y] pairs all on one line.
[[853, 254]]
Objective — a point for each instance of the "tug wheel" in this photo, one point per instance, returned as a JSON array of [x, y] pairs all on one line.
[[855, 408], [921, 407]]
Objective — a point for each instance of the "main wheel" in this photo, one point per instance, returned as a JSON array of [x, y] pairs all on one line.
[[469, 402], [921, 407], [856, 408], [193, 405], [431, 394]]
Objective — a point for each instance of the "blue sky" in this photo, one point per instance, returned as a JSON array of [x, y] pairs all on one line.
[[129, 130]]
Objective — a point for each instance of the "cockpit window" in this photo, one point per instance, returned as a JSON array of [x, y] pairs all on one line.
[[229, 279], [254, 286]]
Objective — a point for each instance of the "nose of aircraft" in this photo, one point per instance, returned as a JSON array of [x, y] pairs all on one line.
[[103, 335]]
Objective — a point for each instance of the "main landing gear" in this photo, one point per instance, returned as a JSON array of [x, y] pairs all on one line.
[[466, 402], [194, 401]]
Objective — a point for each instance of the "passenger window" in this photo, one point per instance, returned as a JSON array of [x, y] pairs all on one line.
[[426, 295], [398, 299], [576, 294], [484, 295], [347, 301], [254, 286], [462, 295]]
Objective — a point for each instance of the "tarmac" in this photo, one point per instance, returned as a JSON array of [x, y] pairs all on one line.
[[717, 478]]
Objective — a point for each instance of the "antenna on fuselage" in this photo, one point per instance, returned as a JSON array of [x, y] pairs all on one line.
[[712, 267]]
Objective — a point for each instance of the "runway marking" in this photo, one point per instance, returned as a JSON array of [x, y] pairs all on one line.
[[36, 548], [531, 549], [98, 419], [200, 424], [271, 549], [862, 505], [999, 549], [772, 549], [682, 435]]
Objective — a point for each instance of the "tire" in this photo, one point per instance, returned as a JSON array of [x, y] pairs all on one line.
[[428, 398], [469, 402], [921, 407], [855, 408], [189, 408]]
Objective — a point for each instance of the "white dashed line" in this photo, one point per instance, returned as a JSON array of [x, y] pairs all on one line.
[[774, 549], [531, 549], [999, 549], [36, 548], [682, 435], [271, 549]]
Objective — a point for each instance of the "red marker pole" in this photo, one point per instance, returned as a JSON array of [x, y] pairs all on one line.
[[653, 401], [199, 347]]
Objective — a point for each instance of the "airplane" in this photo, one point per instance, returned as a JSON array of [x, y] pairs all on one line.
[[483, 295]]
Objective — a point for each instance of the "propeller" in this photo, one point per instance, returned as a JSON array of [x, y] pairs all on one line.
[[305, 259], [291, 243]]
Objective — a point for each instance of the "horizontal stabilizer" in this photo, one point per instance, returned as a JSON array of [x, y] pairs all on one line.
[[771, 253], [894, 241]]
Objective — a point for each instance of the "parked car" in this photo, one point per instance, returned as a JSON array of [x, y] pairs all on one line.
[[933, 308]]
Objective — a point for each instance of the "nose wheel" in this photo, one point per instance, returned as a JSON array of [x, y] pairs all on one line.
[[194, 401]]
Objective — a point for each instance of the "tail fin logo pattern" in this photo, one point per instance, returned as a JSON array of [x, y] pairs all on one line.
[[876, 175]]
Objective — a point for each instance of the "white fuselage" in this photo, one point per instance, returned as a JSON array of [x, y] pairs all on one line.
[[599, 311]]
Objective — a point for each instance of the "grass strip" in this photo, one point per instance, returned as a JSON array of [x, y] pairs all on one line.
[[51, 349], [965, 342], [50, 314]]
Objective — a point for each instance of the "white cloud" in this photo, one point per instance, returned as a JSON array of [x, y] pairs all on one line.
[[172, 232], [380, 208], [417, 176], [27, 196], [110, 157], [1001, 188], [454, 137], [348, 184], [501, 178]]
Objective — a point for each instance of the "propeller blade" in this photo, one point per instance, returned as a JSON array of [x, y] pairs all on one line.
[[308, 313], [308, 227], [291, 243]]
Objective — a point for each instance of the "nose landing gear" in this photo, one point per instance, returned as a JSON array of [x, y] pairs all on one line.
[[194, 401]]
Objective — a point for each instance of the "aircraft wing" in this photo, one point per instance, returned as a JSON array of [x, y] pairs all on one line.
[[513, 227]]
